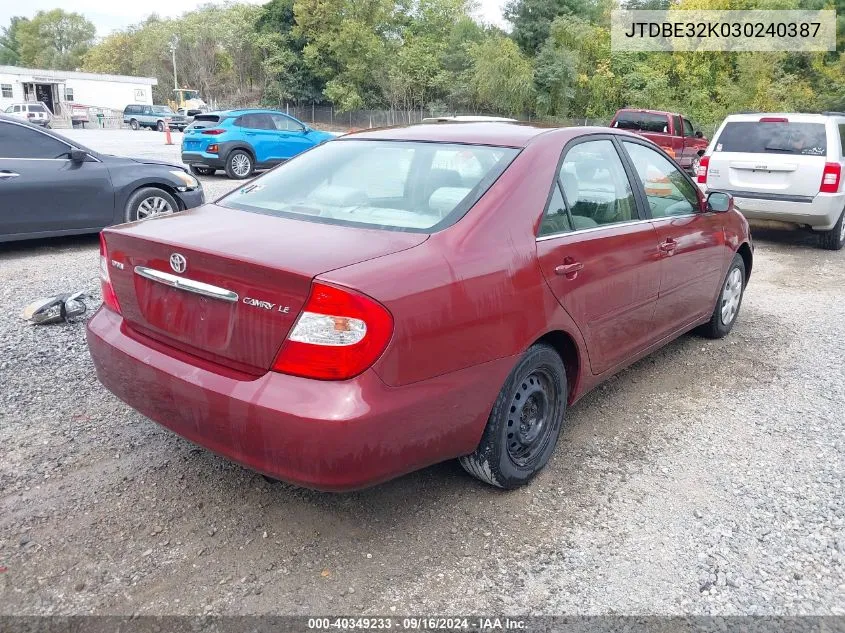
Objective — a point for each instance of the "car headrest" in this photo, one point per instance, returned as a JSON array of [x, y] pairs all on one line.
[[570, 187], [438, 178], [444, 199], [339, 196]]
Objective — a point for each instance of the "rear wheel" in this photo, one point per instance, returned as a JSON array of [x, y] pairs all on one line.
[[239, 165], [160, 126], [150, 202], [730, 299], [525, 422], [834, 239], [202, 171], [134, 125]]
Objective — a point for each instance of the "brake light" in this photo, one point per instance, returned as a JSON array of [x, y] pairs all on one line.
[[831, 176], [214, 132], [109, 296], [338, 335], [774, 119], [701, 173]]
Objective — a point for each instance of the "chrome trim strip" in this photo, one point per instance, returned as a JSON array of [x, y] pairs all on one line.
[[183, 283], [603, 227]]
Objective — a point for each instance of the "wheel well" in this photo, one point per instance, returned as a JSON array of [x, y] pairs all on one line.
[[243, 148], [745, 252], [565, 346], [158, 185]]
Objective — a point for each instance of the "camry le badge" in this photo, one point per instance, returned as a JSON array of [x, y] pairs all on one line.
[[266, 305], [178, 263]]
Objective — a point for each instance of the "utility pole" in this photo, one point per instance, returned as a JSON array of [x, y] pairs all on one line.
[[173, 44]]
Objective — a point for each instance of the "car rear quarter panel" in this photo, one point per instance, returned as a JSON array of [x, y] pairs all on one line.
[[473, 292]]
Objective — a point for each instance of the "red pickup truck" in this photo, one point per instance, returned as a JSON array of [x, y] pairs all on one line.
[[672, 132]]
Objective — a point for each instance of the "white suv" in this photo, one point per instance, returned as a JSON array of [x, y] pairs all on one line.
[[783, 167], [36, 113]]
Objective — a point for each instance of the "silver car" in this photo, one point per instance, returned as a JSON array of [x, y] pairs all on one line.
[[782, 167]]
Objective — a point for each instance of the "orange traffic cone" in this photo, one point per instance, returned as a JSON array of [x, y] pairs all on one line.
[[167, 138]]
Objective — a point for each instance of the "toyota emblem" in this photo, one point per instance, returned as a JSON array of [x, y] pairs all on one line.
[[178, 263]]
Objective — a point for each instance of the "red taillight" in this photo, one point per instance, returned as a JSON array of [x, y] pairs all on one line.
[[338, 335], [831, 176], [109, 297], [701, 173], [214, 132]]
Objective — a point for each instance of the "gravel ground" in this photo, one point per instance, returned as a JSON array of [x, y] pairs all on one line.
[[705, 479]]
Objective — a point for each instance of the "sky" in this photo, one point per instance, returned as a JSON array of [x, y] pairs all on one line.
[[108, 15]]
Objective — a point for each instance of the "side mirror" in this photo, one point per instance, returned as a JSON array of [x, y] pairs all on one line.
[[719, 202], [698, 134], [78, 155]]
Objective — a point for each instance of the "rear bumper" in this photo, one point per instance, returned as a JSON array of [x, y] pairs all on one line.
[[319, 434], [201, 159], [820, 214]]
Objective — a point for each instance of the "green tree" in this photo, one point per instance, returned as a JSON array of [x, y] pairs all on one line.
[[9, 45], [54, 39], [532, 19], [502, 77]]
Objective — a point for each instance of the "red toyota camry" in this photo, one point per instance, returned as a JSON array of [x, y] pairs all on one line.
[[399, 297]]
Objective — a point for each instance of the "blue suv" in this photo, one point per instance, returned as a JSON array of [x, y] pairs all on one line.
[[241, 141]]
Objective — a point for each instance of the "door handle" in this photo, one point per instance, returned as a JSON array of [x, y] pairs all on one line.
[[570, 268], [8, 174], [668, 246]]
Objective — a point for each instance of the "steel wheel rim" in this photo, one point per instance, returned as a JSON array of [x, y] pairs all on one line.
[[240, 164], [153, 206], [731, 295], [531, 417]]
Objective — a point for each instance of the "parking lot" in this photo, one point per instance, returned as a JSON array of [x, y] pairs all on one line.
[[707, 478]]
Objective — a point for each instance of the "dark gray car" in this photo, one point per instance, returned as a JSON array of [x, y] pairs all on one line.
[[50, 185]]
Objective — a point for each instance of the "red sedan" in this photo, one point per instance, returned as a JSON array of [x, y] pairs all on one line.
[[400, 297]]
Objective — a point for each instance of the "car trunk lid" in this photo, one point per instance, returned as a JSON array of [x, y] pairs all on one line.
[[245, 278]]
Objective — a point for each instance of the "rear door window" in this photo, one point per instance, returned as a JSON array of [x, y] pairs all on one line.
[[642, 122], [776, 137], [556, 219], [595, 186], [678, 125], [17, 141]]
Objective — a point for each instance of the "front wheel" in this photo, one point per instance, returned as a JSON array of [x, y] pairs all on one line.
[[150, 202], [239, 165], [834, 239], [525, 422], [134, 125], [730, 299]]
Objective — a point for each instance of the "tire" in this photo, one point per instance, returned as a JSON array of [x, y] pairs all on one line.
[[134, 125], [510, 454], [239, 165], [834, 239], [158, 202], [202, 171], [160, 126], [717, 326]]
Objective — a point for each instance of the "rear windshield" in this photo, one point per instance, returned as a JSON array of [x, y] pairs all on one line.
[[756, 137], [202, 121], [398, 185], [642, 121], [37, 108]]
